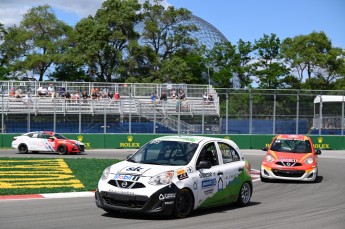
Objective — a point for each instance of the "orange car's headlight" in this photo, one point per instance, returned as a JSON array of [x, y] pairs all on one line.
[[269, 158], [309, 160]]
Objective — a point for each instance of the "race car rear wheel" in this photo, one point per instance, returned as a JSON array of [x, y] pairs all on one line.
[[23, 148], [62, 149], [184, 203], [245, 194]]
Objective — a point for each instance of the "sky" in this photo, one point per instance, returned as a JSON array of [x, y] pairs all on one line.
[[248, 20]]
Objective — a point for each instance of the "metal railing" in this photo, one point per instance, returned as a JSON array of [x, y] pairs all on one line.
[[233, 111]]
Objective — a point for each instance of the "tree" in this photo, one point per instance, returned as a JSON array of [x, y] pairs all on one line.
[[268, 67], [230, 61], [4, 70], [100, 42], [37, 43], [165, 32], [312, 56]]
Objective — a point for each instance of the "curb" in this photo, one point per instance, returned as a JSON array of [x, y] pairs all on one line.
[[47, 196]]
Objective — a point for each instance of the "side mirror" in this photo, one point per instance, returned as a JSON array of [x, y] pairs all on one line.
[[204, 165], [317, 151], [264, 149]]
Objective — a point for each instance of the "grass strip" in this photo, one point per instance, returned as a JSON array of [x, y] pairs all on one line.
[[43, 175]]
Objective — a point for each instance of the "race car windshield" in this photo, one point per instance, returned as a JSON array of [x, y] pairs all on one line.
[[59, 136], [165, 153], [291, 146]]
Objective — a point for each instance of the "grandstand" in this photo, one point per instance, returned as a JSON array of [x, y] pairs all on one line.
[[133, 111]]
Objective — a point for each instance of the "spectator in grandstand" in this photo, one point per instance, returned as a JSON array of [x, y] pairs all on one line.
[[184, 105], [205, 97], [77, 97], [51, 90], [62, 92], [67, 97], [117, 95], [27, 100], [153, 98], [94, 94], [18, 93], [42, 91], [12, 92], [181, 95], [110, 95], [210, 99], [173, 94], [85, 96], [163, 97]]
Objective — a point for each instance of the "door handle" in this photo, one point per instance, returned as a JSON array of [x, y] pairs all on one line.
[[220, 173]]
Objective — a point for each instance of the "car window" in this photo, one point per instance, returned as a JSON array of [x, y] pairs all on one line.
[[291, 145], [165, 153], [208, 153], [229, 154], [44, 136]]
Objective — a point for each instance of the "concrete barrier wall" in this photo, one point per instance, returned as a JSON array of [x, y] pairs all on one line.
[[135, 141]]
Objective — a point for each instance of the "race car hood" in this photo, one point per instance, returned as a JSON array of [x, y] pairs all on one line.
[[138, 169], [282, 156], [76, 142]]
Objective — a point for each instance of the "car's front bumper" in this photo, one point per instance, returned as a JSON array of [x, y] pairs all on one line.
[[289, 173], [160, 202]]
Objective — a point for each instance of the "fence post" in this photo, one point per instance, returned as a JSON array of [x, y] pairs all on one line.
[[250, 112], [274, 111], [297, 112]]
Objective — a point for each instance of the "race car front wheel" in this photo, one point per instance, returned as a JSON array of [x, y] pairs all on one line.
[[245, 194], [62, 149], [183, 203], [23, 148]]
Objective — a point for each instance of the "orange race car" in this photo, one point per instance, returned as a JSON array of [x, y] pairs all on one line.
[[290, 157]]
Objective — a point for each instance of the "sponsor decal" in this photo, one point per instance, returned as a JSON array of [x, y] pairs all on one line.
[[287, 160], [122, 192], [320, 144], [208, 183], [167, 196], [204, 175], [126, 177], [180, 171], [134, 169], [182, 176], [169, 203], [130, 143], [209, 191], [87, 144]]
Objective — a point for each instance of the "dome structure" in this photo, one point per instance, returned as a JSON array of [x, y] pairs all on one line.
[[207, 34]]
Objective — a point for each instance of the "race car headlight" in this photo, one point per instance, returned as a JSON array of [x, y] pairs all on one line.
[[269, 158], [309, 160], [162, 178], [105, 173]]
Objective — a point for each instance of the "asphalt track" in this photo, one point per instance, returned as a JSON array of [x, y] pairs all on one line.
[[273, 205]]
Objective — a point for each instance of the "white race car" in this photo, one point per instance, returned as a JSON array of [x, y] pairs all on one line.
[[46, 141], [175, 175]]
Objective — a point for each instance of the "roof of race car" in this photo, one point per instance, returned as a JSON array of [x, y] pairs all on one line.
[[292, 136], [191, 139], [40, 132]]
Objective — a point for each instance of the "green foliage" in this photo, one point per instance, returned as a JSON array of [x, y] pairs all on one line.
[[107, 47], [42, 37], [268, 68]]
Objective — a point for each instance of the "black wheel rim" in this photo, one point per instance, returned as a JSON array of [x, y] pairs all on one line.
[[183, 203]]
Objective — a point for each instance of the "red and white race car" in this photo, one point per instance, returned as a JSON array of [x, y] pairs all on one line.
[[290, 157], [46, 141]]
